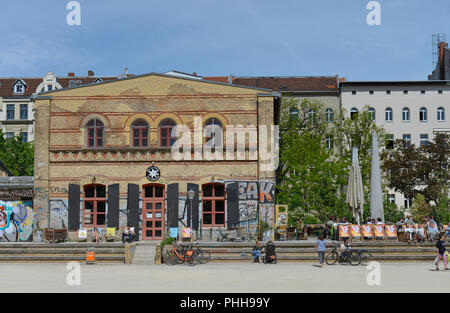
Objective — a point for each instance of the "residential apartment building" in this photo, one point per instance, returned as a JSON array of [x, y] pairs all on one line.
[[411, 110], [16, 106]]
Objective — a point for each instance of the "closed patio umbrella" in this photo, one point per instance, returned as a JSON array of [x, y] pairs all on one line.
[[355, 192]]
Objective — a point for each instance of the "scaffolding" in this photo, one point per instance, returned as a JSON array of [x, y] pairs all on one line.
[[436, 42]]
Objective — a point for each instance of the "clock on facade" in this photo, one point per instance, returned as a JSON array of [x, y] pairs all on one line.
[[153, 173]]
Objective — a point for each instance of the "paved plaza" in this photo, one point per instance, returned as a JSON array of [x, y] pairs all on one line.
[[223, 277]]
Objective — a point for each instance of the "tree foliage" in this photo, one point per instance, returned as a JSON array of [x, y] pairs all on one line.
[[420, 170], [18, 156], [311, 177]]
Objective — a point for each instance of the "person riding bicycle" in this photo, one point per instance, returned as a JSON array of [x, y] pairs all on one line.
[[345, 248]]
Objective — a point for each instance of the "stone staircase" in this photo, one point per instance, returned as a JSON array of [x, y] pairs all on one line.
[[288, 251], [60, 252]]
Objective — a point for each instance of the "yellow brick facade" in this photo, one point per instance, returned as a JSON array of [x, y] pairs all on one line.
[[62, 156]]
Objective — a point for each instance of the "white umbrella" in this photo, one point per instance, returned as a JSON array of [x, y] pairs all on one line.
[[355, 192]]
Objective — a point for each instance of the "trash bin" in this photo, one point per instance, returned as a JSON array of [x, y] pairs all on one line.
[[90, 256]]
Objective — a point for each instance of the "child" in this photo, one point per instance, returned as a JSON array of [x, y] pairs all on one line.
[[321, 247], [440, 251]]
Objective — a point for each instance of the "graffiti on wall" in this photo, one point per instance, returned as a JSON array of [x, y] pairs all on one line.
[[263, 192], [58, 214], [16, 220], [248, 211]]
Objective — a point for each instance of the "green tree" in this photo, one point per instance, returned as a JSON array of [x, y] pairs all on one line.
[[420, 170], [18, 156], [420, 209], [309, 177]]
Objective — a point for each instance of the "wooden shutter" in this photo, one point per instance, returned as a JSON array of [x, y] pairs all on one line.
[[195, 205], [232, 205], [74, 207], [133, 208], [113, 206], [172, 205]]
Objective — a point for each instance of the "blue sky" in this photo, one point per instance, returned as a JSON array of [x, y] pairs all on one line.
[[218, 37]]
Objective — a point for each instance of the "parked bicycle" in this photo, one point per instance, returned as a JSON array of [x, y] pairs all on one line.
[[180, 255], [351, 257], [202, 256]]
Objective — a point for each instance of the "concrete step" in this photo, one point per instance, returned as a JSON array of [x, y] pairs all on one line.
[[144, 253], [51, 259], [63, 252]]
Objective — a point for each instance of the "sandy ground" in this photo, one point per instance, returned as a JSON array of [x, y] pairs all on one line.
[[223, 277]]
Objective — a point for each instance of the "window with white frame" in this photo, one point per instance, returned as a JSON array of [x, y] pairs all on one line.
[[329, 115], [423, 114], [388, 115], [372, 114], [329, 143], [407, 138], [392, 198], [441, 114], [406, 115], [19, 88], [423, 139]]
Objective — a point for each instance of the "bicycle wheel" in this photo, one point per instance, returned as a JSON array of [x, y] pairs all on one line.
[[170, 258], [366, 258], [331, 258], [354, 258]]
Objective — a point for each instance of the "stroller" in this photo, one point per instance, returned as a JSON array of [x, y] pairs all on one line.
[[269, 253]]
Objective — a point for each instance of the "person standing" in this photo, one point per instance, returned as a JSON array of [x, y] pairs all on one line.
[[321, 247], [440, 251]]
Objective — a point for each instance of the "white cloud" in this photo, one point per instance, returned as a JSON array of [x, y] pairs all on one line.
[[28, 55]]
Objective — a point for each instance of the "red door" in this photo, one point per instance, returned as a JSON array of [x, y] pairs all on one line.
[[153, 212]]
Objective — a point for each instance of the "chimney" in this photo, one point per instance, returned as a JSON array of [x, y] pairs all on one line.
[[442, 47], [71, 74], [91, 73]]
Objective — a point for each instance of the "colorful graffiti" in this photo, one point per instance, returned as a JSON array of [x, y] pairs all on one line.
[[16, 220]]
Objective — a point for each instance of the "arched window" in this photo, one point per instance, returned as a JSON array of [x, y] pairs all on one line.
[[165, 133], [388, 115], [213, 132], [353, 113], [372, 114], [405, 115], [139, 130], [95, 133], [329, 115], [94, 205], [423, 114], [213, 204], [441, 114]]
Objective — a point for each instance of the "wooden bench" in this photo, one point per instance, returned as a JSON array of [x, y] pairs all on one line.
[[55, 235]]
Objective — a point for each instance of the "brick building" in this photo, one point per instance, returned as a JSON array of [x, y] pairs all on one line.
[[103, 156]]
